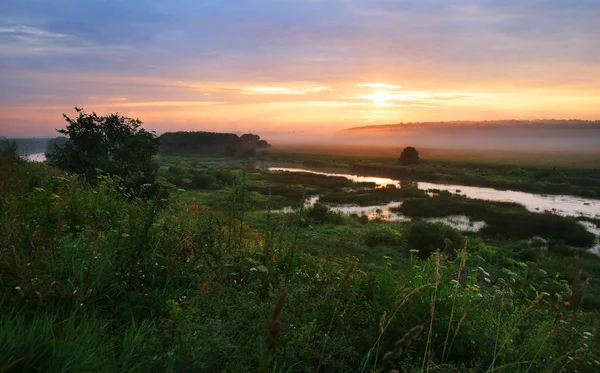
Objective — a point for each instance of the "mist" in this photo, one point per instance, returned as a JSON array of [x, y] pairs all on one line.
[[508, 135]]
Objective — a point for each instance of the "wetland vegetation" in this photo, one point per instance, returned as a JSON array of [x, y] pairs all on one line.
[[225, 268]]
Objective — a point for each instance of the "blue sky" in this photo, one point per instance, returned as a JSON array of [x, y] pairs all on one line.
[[280, 65]]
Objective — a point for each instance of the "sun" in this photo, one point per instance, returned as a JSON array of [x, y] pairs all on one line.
[[379, 97]]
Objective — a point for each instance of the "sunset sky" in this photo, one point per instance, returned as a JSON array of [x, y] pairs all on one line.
[[303, 65]]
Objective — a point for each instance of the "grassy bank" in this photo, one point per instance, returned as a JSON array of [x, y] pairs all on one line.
[[92, 280], [547, 175], [503, 219]]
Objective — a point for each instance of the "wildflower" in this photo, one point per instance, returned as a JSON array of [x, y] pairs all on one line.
[[413, 251], [312, 345], [39, 189], [54, 196], [17, 288]]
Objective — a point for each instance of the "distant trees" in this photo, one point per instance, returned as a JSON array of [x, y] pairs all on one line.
[[211, 143], [254, 141], [114, 144], [250, 138], [409, 156]]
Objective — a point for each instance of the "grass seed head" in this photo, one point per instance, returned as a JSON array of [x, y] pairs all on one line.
[[382, 322], [274, 325]]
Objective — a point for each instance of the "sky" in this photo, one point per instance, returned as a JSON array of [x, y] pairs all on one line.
[[296, 66]]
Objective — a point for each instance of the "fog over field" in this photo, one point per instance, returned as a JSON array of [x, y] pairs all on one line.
[[517, 135]]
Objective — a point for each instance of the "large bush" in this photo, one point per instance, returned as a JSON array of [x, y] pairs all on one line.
[[428, 237], [112, 144]]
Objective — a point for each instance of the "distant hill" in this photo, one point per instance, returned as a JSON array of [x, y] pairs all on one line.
[[558, 124], [550, 134], [210, 143]]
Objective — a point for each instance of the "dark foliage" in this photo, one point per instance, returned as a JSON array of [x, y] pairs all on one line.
[[9, 150], [111, 144], [428, 237], [409, 156], [502, 218], [211, 143], [56, 142]]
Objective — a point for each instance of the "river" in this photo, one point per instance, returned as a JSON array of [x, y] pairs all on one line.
[[564, 205], [38, 157]]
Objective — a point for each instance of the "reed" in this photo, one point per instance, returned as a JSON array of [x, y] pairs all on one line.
[[463, 263], [432, 312], [343, 288], [512, 331]]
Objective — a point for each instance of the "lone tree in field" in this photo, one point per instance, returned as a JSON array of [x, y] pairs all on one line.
[[114, 144], [409, 156]]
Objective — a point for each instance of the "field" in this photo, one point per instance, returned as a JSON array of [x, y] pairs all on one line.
[[573, 158], [546, 173], [216, 278]]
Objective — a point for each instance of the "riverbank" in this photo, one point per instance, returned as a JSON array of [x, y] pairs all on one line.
[[548, 176]]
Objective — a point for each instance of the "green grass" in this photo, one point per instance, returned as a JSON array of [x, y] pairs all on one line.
[[548, 174], [502, 219], [91, 280]]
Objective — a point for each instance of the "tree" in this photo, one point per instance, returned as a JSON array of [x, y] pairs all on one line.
[[263, 144], [409, 156], [250, 138], [116, 145], [52, 143]]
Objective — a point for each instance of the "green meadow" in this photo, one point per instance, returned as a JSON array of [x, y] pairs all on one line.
[[214, 277]]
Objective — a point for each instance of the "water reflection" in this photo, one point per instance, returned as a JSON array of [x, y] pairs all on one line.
[[39, 157], [558, 204]]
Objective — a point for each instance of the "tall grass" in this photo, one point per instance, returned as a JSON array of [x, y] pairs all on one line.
[[95, 281]]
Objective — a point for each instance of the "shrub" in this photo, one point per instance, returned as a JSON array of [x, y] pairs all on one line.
[[320, 213], [382, 234], [428, 237]]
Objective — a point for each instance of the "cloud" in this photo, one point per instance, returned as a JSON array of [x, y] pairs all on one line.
[[269, 90], [378, 85], [384, 97], [272, 91], [260, 53], [161, 104], [28, 31]]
